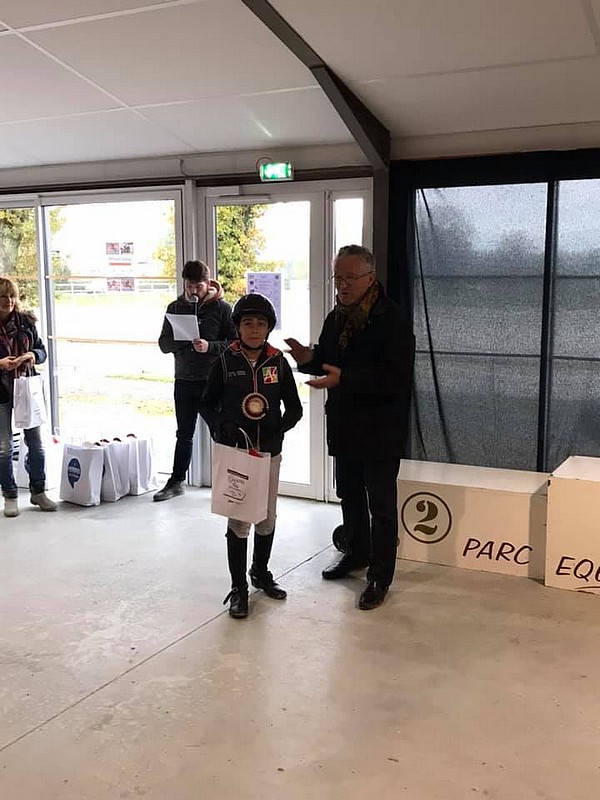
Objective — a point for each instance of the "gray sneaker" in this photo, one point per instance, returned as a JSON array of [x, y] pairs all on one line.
[[170, 489], [11, 507]]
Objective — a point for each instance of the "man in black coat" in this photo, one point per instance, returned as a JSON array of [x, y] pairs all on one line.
[[365, 356]]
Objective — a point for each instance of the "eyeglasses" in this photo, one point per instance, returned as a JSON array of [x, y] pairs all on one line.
[[349, 279]]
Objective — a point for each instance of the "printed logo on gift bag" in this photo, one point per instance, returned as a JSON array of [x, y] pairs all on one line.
[[73, 471], [236, 485], [240, 483], [81, 474]]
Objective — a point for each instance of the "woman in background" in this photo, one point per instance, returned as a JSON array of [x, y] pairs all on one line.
[[20, 349]]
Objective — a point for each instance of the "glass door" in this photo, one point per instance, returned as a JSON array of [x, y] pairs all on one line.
[[349, 212], [264, 244], [279, 240], [111, 271]]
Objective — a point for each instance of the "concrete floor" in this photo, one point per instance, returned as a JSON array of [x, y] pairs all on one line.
[[123, 677]]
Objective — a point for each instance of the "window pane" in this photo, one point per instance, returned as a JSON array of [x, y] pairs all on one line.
[[479, 298], [113, 274], [347, 222], [19, 255], [273, 238]]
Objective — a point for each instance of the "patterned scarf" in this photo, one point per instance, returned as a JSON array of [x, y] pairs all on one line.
[[13, 342], [354, 318], [8, 336]]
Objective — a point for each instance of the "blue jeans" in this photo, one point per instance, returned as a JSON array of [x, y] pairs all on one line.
[[35, 459]]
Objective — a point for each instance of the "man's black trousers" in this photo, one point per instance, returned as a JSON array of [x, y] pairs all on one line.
[[187, 402], [368, 491]]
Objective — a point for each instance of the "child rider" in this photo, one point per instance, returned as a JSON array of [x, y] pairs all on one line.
[[246, 389]]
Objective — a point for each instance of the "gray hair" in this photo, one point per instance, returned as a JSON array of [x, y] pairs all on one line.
[[358, 250]]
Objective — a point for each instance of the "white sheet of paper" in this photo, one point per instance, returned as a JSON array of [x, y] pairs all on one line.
[[185, 327]]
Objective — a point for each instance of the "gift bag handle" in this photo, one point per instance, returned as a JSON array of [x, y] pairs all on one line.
[[249, 445], [250, 448]]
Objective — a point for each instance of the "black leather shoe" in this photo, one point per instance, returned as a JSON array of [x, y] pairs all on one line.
[[168, 491], [342, 566], [267, 583], [373, 596], [238, 603]]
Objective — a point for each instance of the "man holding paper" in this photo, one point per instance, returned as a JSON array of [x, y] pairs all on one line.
[[196, 329]]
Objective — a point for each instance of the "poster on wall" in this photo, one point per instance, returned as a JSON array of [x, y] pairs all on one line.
[[269, 285]]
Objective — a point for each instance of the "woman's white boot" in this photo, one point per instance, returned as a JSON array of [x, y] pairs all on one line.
[[11, 507]]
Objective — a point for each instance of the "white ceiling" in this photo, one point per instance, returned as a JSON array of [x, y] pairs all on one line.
[[99, 80]]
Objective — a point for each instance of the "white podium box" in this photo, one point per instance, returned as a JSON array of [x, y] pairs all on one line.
[[474, 517], [573, 535]]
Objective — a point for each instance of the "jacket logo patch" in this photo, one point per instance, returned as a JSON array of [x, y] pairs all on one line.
[[270, 375]]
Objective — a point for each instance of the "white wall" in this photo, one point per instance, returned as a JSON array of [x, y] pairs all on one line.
[[323, 156]]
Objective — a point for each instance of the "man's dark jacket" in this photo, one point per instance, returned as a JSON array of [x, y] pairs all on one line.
[[368, 412], [216, 326]]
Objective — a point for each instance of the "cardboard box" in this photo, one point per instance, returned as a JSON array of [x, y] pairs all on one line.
[[474, 517], [573, 537]]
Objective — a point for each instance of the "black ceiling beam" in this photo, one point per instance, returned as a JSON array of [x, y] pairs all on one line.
[[372, 137], [284, 32], [370, 134]]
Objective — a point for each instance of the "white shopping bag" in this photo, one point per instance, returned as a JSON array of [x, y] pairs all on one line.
[[81, 476], [53, 452], [142, 469], [115, 478], [240, 483], [29, 407]]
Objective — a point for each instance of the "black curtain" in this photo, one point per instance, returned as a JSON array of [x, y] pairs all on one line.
[[500, 272]]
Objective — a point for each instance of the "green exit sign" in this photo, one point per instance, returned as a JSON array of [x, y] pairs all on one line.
[[276, 172]]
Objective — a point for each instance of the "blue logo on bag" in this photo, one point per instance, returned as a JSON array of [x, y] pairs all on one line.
[[73, 471]]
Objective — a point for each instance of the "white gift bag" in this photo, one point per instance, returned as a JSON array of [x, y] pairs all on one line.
[[81, 475], [29, 407], [53, 453], [142, 470], [115, 478], [240, 483]]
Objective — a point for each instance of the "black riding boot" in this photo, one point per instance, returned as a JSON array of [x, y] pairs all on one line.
[[260, 577], [237, 549]]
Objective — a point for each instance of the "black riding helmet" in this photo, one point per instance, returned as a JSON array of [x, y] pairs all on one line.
[[256, 304]]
